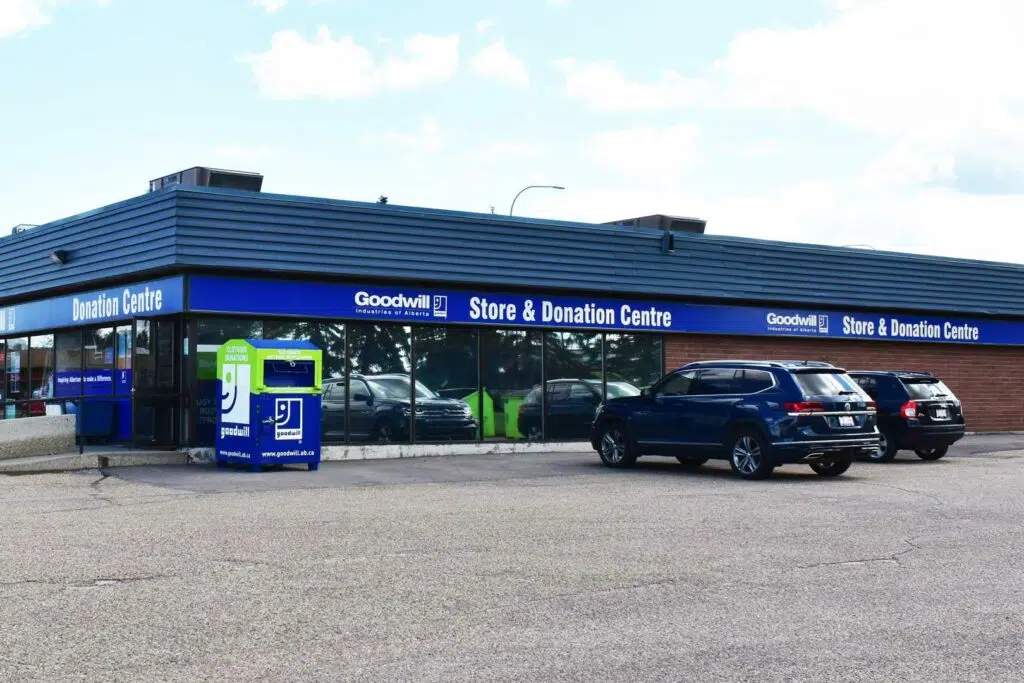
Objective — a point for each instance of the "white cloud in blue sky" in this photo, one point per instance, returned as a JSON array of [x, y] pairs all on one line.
[[895, 123]]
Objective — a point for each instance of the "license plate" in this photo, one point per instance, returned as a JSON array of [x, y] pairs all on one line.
[[941, 414], [846, 420]]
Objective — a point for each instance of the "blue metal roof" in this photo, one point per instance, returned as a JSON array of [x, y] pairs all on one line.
[[188, 228]]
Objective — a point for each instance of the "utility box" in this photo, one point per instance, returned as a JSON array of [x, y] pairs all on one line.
[[269, 403]]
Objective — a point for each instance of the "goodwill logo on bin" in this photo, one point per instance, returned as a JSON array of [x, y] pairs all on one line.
[[402, 305], [803, 323], [288, 419], [234, 400]]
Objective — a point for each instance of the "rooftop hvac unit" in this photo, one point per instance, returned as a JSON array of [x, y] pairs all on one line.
[[210, 177], [663, 222], [22, 227]]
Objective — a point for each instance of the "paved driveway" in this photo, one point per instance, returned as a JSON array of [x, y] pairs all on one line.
[[527, 568]]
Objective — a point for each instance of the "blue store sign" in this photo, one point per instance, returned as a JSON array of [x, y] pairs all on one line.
[[422, 305], [159, 297]]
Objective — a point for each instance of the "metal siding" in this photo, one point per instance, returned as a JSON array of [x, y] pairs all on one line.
[[191, 227], [297, 235], [117, 241]]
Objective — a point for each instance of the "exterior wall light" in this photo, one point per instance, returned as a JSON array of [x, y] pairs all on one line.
[[59, 256]]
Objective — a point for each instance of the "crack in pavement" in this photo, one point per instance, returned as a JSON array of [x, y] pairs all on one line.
[[893, 558], [104, 581]]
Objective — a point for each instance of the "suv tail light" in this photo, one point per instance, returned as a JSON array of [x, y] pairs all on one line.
[[871, 405], [804, 407], [908, 410]]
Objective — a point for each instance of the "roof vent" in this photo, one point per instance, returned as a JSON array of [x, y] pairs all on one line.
[[658, 220], [210, 177]]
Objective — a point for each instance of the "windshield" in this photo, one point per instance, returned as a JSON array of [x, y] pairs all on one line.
[[621, 389], [397, 387], [615, 389], [828, 384], [925, 389]]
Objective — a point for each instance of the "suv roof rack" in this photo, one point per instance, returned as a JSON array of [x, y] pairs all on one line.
[[763, 363], [894, 373]]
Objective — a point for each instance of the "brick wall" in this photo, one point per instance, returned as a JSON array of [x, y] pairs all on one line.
[[985, 378]]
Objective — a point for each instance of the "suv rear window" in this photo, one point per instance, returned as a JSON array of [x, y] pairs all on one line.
[[827, 384], [923, 389]]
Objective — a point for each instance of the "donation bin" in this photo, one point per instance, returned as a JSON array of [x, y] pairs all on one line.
[[269, 403]]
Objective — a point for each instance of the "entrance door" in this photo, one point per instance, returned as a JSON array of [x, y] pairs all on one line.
[[156, 383]]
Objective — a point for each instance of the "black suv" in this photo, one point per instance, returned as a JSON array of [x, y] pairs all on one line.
[[571, 405], [380, 407], [755, 414], [916, 411]]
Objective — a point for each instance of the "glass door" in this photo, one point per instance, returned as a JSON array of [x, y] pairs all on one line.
[[156, 383]]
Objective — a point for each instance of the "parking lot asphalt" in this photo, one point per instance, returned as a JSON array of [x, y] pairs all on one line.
[[531, 568]]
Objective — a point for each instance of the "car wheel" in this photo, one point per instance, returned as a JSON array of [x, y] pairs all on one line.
[[384, 433], [687, 461], [833, 468], [749, 456], [886, 450], [932, 453], [615, 447]]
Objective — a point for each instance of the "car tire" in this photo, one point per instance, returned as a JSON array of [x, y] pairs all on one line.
[[384, 432], [690, 462], [749, 455], [615, 446], [832, 468], [886, 450], [932, 453]]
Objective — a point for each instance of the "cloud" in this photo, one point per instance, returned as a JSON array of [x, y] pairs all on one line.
[[507, 151], [20, 15], [497, 63], [646, 152], [244, 154], [936, 82], [427, 140], [294, 68], [485, 25], [602, 87], [270, 6]]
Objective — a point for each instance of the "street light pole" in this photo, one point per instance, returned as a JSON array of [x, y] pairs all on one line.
[[530, 187]]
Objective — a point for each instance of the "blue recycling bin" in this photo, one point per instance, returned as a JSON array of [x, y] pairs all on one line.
[[270, 410], [94, 421]]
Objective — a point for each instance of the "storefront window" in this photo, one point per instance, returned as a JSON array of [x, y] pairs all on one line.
[[211, 333], [99, 361], [632, 362], [123, 360], [574, 384], [511, 370], [326, 336], [380, 390], [446, 365], [68, 363], [17, 377], [42, 380]]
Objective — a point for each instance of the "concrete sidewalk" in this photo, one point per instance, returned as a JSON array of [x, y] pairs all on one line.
[[101, 458]]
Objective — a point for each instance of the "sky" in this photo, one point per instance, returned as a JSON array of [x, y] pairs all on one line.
[[884, 124]]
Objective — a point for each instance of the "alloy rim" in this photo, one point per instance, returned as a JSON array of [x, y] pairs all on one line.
[[883, 446], [746, 455], [613, 446]]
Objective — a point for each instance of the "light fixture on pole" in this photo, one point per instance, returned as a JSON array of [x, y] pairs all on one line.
[[531, 187]]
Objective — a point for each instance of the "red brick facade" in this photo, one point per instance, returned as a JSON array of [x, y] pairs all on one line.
[[985, 378]]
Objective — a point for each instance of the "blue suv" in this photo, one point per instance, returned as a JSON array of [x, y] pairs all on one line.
[[755, 414]]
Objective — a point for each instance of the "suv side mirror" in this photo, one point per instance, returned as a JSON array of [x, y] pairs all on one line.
[[362, 397]]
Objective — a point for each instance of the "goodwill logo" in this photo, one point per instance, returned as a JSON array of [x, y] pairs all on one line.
[[234, 400], [401, 305], [804, 323], [288, 419]]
